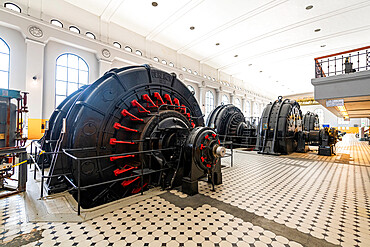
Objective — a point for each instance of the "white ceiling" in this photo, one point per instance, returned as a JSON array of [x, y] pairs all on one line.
[[274, 39]]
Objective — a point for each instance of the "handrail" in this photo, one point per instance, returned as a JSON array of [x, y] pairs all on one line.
[[343, 52], [344, 62]]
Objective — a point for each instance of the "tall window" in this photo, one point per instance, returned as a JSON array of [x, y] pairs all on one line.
[[237, 103], [4, 64], [320, 113], [247, 109], [210, 103], [225, 99], [72, 72]]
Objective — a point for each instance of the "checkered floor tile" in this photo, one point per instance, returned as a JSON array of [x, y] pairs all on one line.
[[319, 197], [327, 200]]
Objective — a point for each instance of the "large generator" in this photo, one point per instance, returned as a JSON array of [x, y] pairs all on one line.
[[134, 128]]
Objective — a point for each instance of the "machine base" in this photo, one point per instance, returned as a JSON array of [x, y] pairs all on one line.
[[326, 150], [189, 187]]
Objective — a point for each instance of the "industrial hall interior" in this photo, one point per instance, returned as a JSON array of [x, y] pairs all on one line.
[[205, 123]]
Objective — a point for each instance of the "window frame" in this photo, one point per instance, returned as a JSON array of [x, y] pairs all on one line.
[[58, 21], [19, 9], [74, 27], [117, 45], [8, 54], [67, 82], [210, 103], [224, 96], [90, 33], [239, 105]]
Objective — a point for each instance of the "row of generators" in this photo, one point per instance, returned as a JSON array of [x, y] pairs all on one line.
[[282, 129], [139, 127]]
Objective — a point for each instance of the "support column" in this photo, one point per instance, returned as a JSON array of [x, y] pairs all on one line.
[[104, 66], [35, 87], [252, 108], [202, 98], [244, 106], [231, 98], [218, 98]]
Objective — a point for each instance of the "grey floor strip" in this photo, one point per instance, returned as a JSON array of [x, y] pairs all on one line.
[[279, 229]]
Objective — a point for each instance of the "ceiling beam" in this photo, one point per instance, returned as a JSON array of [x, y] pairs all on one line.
[[110, 10], [300, 43], [289, 28], [174, 17]]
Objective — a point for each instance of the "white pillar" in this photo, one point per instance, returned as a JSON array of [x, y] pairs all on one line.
[[35, 86], [202, 99], [218, 99], [252, 108], [104, 66]]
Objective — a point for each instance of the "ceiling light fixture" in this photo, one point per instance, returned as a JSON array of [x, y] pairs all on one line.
[[192, 28], [322, 45], [260, 71], [236, 55], [217, 43], [250, 64], [309, 7], [317, 30], [154, 4]]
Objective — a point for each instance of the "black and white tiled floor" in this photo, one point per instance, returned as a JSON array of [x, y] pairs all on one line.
[[327, 200], [153, 222], [317, 198]]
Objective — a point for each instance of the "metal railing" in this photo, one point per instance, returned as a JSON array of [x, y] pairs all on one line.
[[343, 62]]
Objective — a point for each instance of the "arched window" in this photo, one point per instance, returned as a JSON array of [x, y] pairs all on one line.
[[237, 103], [128, 48], [56, 23], [164, 62], [256, 111], [90, 35], [247, 109], [191, 89], [72, 72], [74, 29], [116, 44], [13, 7], [320, 113], [225, 99], [4, 64], [138, 52], [171, 64], [156, 59], [210, 103]]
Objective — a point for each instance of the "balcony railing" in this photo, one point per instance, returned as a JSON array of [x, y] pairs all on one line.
[[343, 62]]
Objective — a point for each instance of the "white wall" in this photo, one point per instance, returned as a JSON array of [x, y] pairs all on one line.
[[52, 51], [14, 28], [17, 45]]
